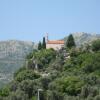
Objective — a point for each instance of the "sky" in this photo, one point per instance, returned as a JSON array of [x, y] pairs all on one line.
[[31, 19]]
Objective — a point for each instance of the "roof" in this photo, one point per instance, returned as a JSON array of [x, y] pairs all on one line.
[[55, 42]]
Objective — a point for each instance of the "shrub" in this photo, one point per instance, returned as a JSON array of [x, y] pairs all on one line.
[[96, 45], [70, 85], [27, 74]]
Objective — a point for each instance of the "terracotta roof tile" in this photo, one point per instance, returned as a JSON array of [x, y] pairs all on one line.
[[56, 42]]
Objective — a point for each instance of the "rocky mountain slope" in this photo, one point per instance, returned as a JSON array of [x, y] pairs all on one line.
[[12, 57], [82, 38]]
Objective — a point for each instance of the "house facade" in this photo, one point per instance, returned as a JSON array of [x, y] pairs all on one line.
[[55, 44]]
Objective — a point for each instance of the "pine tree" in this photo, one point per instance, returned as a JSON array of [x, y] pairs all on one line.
[[44, 43], [70, 42], [39, 46]]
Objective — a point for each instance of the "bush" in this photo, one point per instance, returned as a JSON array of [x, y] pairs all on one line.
[[97, 97], [27, 74], [70, 85], [18, 71], [54, 95], [89, 91], [5, 92], [28, 87], [96, 45], [13, 86], [45, 82], [18, 95]]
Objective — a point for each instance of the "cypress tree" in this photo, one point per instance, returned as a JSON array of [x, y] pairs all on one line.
[[39, 46], [70, 42], [44, 43]]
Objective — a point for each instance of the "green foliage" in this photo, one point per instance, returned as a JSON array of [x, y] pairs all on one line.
[[76, 78], [70, 42], [30, 64], [4, 92], [54, 95], [18, 71], [28, 87], [88, 91], [27, 74], [18, 95], [70, 85], [44, 43], [97, 97], [45, 82], [44, 56], [50, 53], [13, 86], [34, 98], [29, 56], [96, 45], [57, 64], [39, 46], [91, 62]]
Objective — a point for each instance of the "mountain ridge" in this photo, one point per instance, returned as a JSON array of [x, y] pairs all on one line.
[[82, 38], [12, 57]]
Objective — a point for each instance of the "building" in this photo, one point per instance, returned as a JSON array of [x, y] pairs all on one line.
[[55, 44]]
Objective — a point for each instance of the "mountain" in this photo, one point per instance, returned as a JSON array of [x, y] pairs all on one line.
[[12, 57], [82, 38]]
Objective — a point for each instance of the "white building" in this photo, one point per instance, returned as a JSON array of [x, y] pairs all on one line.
[[55, 44]]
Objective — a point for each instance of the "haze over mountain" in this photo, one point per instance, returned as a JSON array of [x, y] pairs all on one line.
[[12, 57]]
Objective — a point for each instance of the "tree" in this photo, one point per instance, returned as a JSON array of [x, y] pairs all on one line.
[[45, 82], [27, 74], [4, 92], [96, 45], [18, 95], [44, 43], [70, 42], [28, 87], [39, 46]]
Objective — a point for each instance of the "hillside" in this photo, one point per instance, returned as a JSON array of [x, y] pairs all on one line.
[[66, 74], [12, 57], [82, 38], [56, 76]]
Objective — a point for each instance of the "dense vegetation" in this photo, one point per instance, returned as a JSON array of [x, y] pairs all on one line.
[[70, 42], [42, 45], [60, 77]]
